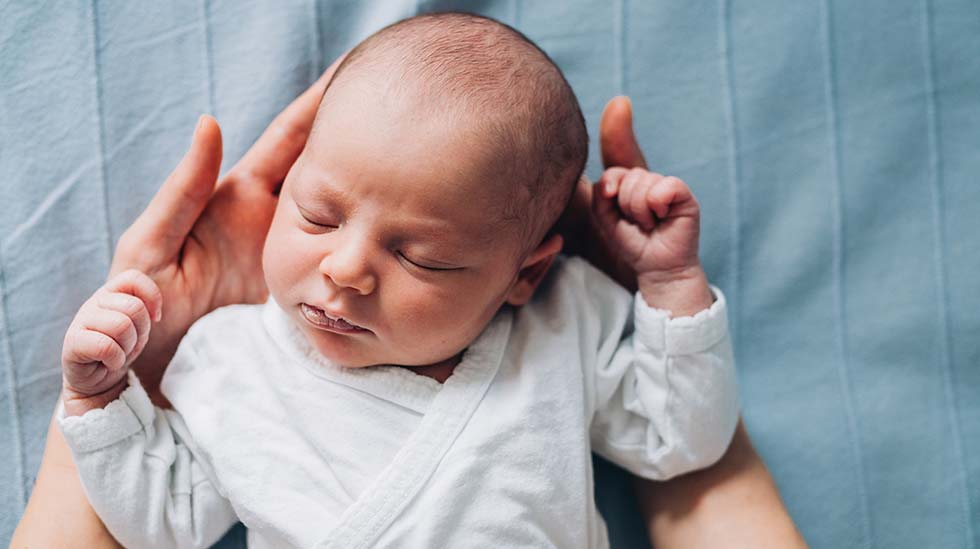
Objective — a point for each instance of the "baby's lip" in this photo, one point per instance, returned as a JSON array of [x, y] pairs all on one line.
[[334, 320]]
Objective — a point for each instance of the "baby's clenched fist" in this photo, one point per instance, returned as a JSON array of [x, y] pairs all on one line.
[[108, 333], [650, 221]]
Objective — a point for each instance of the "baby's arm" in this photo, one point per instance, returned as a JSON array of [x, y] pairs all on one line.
[[137, 462], [666, 394]]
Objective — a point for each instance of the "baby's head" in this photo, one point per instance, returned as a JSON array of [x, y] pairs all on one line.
[[443, 152]]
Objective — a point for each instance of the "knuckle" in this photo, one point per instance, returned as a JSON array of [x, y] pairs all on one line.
[[139, 280], [131, 305], [69, 345], [91, 305], [105, 347], [118, 325]]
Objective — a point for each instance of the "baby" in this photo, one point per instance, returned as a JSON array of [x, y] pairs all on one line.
[[429, 371]]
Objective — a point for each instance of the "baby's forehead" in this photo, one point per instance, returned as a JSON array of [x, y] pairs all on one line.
[[441, 187]]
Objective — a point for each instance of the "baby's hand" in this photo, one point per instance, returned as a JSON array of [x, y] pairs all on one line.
[[652, 223], [106, 335]]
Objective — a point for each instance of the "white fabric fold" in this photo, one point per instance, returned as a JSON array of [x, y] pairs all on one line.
[[306, 453]]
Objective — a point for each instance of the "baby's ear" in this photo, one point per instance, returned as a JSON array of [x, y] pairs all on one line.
[[533, 270]]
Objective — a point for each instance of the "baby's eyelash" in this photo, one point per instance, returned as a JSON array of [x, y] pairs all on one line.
[[314, 223], [426, 267]]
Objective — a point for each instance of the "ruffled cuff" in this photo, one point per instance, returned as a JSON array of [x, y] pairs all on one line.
[[685, 335], [129, 414]]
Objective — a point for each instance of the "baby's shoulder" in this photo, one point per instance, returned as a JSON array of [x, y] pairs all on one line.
[[231, 318], [573, 279], [219, 347], [577, 294], [232, 328]]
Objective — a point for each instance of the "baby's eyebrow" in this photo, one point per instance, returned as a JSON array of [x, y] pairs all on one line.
[[321, 192]]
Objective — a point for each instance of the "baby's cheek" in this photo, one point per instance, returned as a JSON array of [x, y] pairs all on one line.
[[432, 319], [281, 259]]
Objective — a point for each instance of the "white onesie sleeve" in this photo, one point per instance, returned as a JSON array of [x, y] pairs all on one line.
[[138, 466], [666, 400]]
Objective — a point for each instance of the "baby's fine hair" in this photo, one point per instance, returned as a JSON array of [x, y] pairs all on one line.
[[495, 77]]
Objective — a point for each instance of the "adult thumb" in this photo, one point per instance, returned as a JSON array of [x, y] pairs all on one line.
[[616, 138], [164, 225]]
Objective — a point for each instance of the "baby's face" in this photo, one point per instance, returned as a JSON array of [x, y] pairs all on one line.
[[386, 246]]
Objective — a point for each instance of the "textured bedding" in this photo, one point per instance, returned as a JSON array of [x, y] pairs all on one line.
[[834, 147]]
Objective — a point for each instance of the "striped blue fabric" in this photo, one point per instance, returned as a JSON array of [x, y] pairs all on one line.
[[834, 147]]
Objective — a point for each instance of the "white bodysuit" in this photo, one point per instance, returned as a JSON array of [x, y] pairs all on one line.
[[309, 454]]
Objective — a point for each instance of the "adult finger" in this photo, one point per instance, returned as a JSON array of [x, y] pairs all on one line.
[[616, 138], [270, 158], [164, 225]]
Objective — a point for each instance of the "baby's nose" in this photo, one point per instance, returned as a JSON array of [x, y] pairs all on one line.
[[348, 265]]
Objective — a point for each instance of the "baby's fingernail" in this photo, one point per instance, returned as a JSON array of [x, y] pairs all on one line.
[[159, 314], [610, 187]]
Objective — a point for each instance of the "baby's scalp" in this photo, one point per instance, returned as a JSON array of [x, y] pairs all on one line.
[[490, 79]]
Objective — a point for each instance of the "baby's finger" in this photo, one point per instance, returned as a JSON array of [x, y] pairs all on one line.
[[135, 283], [638, 201], [610, 180], [604, 199], [671, 197], [90, 346], [134, 308], [626, 192], [115, 325]]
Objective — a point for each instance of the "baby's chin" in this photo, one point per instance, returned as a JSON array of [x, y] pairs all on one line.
[[340, 350], [346, 353]]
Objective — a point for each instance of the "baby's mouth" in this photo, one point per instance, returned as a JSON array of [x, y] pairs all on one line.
[[320, 319]]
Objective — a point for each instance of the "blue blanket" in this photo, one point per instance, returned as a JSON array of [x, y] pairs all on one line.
[[834, 147]]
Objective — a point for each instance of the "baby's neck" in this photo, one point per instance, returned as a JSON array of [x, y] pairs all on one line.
[[439, 371]]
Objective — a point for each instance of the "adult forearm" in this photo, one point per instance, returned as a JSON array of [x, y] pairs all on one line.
[[732, 504], [58, 513]]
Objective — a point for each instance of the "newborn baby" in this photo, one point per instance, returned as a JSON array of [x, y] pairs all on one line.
[[429, 371]]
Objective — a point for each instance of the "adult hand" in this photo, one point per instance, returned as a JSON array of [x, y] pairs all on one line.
[[201, 239], [578, 226]]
